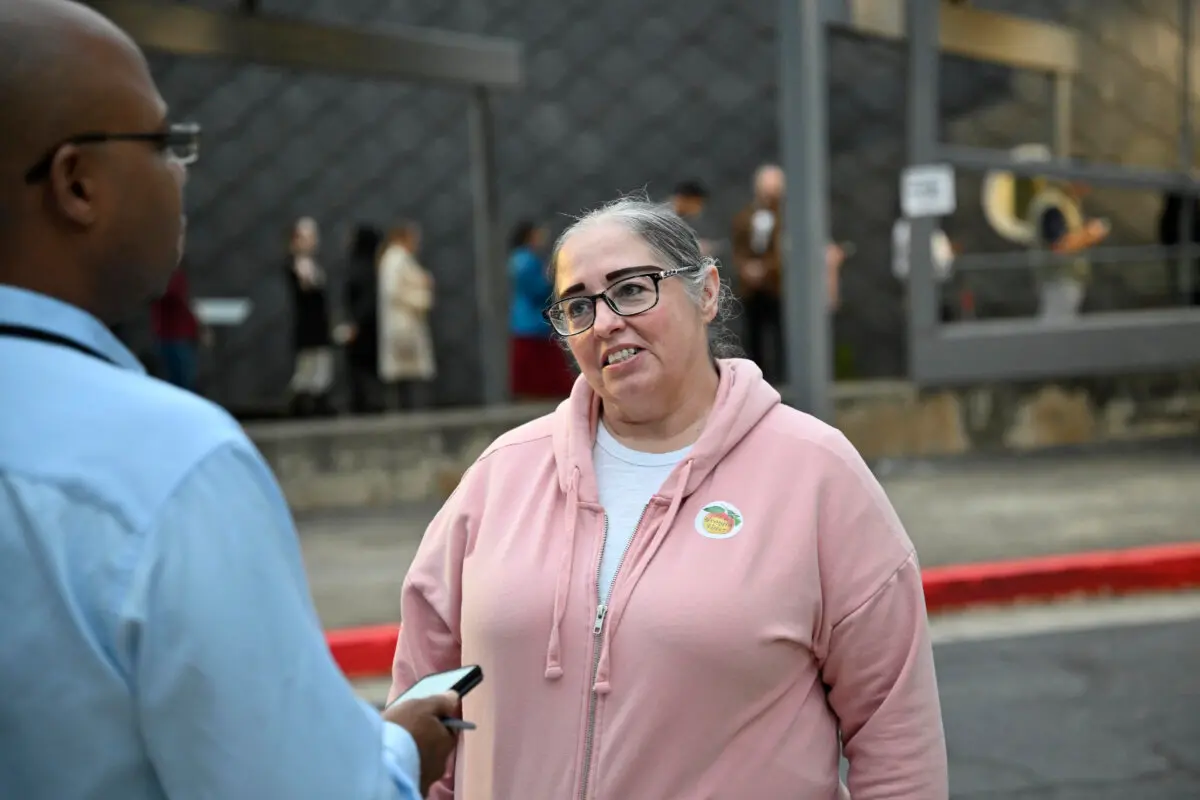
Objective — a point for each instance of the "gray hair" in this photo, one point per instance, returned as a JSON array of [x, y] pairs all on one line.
[[676, 243]]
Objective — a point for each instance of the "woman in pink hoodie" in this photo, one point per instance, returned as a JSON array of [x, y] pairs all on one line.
[[677, 587]]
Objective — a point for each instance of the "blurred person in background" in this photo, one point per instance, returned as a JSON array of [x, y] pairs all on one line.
[[406, 359], [689, 201], [676, 585], [312, 378], [757, 242], [361, 331], [943, 261], [538, 368], [1056, 212], [159, 636], [1170, 234], [177, 332]]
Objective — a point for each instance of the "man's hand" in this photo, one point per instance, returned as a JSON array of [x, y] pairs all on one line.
[[1097, 229], [1090, 234], [435, 742], [835, 256]]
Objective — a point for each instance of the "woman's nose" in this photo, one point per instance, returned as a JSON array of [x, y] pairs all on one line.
[[607, 320]]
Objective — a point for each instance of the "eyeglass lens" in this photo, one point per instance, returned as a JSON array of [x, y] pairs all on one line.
[[627, 297], [183, 144]]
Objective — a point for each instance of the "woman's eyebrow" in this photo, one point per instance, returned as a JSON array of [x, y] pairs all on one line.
[[614, 276]]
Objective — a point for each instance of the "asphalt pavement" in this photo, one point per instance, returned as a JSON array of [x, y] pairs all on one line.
[[1105, 714]]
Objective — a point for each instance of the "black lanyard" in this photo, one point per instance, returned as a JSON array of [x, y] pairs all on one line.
[[39, 335]]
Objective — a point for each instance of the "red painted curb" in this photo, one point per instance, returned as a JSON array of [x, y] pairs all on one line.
[[368, 652], [1140, 569], [364, 652]]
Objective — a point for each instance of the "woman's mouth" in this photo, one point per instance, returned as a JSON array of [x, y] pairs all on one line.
[[620, 356]]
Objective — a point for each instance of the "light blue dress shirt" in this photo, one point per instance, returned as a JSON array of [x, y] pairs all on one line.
[[158, 637]]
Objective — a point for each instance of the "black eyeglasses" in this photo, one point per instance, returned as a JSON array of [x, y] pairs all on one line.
[[627, 297], [180, 141]]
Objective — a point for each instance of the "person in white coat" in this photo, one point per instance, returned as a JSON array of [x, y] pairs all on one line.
[[406, 357]]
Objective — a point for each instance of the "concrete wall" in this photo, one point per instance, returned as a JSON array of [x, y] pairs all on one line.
[[621, 95], [381, 462]]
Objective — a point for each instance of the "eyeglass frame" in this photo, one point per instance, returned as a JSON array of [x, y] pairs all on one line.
[[181, 133], [656, 277]]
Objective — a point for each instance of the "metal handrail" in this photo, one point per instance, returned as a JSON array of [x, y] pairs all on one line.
[[1032, 259]]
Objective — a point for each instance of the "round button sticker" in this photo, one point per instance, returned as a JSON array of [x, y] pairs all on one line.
[[718, 521]]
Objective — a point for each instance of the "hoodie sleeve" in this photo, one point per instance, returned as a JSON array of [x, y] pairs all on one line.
[[430, 605], [875, 649]]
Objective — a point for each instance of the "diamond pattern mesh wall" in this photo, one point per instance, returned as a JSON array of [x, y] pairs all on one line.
[[623, 95]]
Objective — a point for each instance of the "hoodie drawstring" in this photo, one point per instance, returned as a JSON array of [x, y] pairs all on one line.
[[602, 667], [554, 669]]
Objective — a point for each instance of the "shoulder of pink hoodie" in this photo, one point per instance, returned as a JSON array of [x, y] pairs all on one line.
[[721, 668]]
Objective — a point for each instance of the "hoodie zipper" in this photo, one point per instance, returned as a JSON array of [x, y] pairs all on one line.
[[597, 644]]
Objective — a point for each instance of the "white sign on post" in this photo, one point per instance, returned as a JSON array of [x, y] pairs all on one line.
[[927, 190]]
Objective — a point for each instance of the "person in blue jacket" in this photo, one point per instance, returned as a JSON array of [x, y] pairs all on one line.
[[538, 365]]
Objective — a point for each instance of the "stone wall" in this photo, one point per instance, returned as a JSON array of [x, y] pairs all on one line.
[[900, 421], [345, 464]]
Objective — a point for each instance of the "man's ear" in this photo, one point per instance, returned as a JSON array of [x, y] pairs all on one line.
[[73, 186]]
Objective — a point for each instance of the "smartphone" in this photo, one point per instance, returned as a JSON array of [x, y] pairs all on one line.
[[461, 680]]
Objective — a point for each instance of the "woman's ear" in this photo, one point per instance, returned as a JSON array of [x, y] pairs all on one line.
[[712, 293]]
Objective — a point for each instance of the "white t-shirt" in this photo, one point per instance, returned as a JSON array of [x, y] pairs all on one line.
[[762, 226], [943, 251], [626, 480]]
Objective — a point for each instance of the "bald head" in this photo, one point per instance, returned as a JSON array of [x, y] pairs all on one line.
[[769, 183], [48, 82], [66, 72]]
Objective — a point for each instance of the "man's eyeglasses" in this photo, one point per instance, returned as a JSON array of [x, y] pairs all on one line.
[[181, 142], [627, 297]]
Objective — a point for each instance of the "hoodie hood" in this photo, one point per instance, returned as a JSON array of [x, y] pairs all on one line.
[[743, 399]]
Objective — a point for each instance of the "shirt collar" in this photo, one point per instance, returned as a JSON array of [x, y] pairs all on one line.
[[34, 310]]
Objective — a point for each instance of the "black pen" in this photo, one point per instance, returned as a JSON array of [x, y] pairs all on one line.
[[458, 724]]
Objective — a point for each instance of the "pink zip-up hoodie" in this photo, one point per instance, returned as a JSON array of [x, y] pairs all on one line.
[[769, 600]]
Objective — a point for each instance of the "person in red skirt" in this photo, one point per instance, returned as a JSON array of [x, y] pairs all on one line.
[[538, 367], [177, 332]]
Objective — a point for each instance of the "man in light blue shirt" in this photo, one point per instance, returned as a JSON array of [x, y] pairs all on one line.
[[158, 636]]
